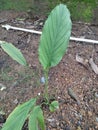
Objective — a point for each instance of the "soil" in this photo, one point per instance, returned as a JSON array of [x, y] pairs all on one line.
[[21, 84]]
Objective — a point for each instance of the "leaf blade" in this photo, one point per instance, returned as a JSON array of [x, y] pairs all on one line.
[[33, 124], [17, 118], [13, 52], [40, 118], [55, 37], [54, 106], [36, 119]]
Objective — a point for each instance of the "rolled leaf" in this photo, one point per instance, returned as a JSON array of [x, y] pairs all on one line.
[[17, 118], [13, 52], [55, 37]]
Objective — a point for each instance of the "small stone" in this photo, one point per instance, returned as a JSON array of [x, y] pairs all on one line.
[[96, 95], [38, 94], [58, 97], [16, 101], [97, 119], [78, 123], [41, 23], [51, 120], [42, 80]]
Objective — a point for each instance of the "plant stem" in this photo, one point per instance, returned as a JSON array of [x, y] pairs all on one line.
[[46, 86]]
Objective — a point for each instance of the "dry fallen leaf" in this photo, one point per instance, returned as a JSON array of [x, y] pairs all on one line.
[[82, 61], [93, 65], [73, 95]]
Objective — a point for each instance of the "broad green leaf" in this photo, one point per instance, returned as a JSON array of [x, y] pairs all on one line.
[[17, 118], [54, 106], [13, 52], [40, 118], [36, 119], [33, 123], [55, 37]]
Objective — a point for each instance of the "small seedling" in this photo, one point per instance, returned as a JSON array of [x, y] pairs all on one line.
[[53, 44]]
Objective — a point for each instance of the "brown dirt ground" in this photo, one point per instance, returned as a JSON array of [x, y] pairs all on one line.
[[23, 83]]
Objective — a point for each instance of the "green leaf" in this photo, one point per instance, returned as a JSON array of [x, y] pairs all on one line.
[[33, 123], [54, 106], [55, 37], [17, 118], [36, 119], [13, 52], [40, 118]]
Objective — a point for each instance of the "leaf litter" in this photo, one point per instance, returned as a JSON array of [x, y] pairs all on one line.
[[87, 62]]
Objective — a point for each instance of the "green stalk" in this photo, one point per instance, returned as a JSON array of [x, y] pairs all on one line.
[[46, 86]]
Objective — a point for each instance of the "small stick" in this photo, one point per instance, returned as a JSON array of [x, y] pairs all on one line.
[[38, 32]]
